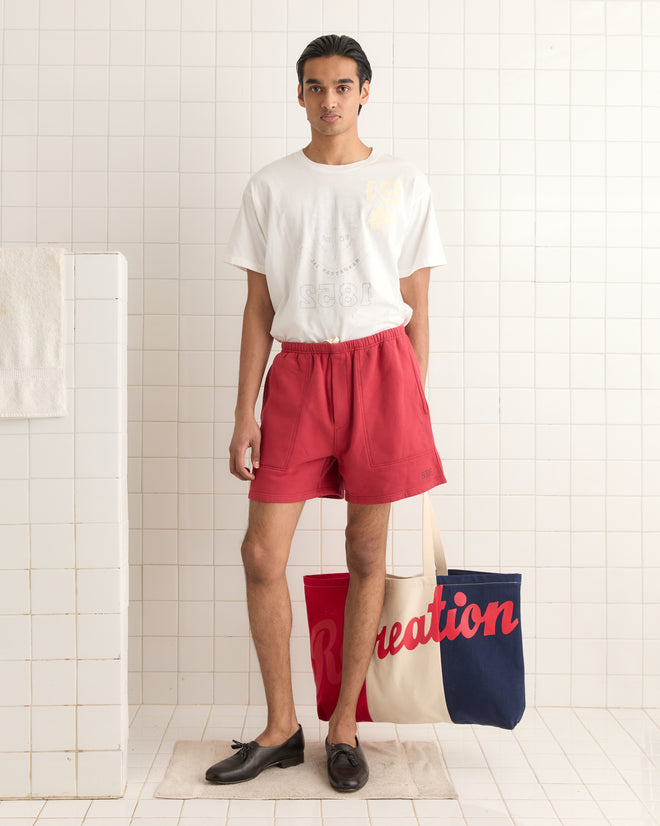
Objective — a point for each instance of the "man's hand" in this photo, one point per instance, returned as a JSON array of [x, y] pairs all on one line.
[[247, 434]]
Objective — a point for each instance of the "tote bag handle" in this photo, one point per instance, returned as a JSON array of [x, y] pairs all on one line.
[[433, 551]]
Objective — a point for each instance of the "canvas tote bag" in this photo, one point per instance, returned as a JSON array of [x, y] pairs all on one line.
[[448, 648]]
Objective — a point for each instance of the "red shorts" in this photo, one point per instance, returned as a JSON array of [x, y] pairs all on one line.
[[347, 420]]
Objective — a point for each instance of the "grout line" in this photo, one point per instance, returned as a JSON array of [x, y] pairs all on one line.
[[579, 713], [571, 594], [531, 767], [492, 776], [29, 470], [142, 366], [107, 160], [448, 768], [606, 675], [534, 458], [499, 292], [179, 319], [38, 123], [140, 638], [74, 292], [251, 647], [463, 463], [75, 525], [214, 409], [646, 668], [653, 756], [2, 116]]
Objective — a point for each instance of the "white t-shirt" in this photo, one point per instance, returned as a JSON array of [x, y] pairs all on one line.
[[333, 242]]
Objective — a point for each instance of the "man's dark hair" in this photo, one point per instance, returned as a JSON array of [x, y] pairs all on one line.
[[341, 45]]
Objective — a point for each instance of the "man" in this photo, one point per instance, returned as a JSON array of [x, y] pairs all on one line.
[[337, 241]]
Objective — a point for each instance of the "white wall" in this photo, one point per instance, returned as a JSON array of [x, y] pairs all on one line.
[[64, 561], [134, 125]]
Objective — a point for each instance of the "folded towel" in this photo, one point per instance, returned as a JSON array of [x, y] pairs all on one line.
[[32, 381]]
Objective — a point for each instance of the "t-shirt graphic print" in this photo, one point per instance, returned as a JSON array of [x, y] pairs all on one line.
[[333, 242]]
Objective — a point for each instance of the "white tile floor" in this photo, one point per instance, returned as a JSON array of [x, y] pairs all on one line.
[[579, 767]]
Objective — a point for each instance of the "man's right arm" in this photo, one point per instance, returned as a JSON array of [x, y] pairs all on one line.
[[256, 343]]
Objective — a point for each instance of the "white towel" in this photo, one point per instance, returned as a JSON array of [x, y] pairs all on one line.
[[32, 380]]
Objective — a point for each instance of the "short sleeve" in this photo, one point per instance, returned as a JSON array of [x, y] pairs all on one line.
[[422, 246], [247, 243]]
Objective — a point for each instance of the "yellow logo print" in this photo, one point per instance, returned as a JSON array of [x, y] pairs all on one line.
[[379, 218], [389, 195], [390, 192]]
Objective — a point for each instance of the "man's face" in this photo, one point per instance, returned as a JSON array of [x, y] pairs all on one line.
[[331, 94]]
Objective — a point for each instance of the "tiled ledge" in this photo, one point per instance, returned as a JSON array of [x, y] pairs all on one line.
[[64, 561]]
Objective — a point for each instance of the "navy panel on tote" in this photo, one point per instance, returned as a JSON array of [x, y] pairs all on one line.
[[478, 617]]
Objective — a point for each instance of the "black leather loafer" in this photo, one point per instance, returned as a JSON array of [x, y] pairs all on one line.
[[251, 759], [347, 766]]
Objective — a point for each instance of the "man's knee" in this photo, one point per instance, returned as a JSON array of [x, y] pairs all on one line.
[[260, 559], [365, 554], [267, 543], [255, 557]]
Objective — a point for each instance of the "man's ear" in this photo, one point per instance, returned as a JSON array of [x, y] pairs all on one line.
[[364, 93], [301, 100]]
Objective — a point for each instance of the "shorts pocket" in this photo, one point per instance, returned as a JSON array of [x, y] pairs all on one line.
[[284, 395], [395, 414]]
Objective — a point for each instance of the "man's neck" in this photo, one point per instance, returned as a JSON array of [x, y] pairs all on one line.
[[336, 152]]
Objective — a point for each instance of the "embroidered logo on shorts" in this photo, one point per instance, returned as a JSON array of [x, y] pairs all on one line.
[[427, 473]]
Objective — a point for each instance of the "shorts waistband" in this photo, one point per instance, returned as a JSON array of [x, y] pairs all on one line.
[[342, 346]]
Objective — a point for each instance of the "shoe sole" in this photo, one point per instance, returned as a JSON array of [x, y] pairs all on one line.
[[345, 790]]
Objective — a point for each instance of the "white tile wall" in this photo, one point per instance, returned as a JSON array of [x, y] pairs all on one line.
[[134, 126], [64, 562]]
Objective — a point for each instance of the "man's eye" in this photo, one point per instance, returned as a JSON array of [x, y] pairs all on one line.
[[344, 88]]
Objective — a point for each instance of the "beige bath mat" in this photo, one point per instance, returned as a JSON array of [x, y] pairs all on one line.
[[411, 770]]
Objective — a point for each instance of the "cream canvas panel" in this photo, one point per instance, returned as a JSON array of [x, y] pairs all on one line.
[[406, 687], [404, 680]]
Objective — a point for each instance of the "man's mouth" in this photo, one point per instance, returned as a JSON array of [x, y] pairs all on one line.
[[330, 118]]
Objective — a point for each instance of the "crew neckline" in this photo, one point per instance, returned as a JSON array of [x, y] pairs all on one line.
[[338, 167]]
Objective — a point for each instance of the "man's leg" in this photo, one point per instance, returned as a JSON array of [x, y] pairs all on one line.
[[366, 541], [265, 553]]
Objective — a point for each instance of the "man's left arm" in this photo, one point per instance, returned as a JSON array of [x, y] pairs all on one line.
[[415, 292]]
